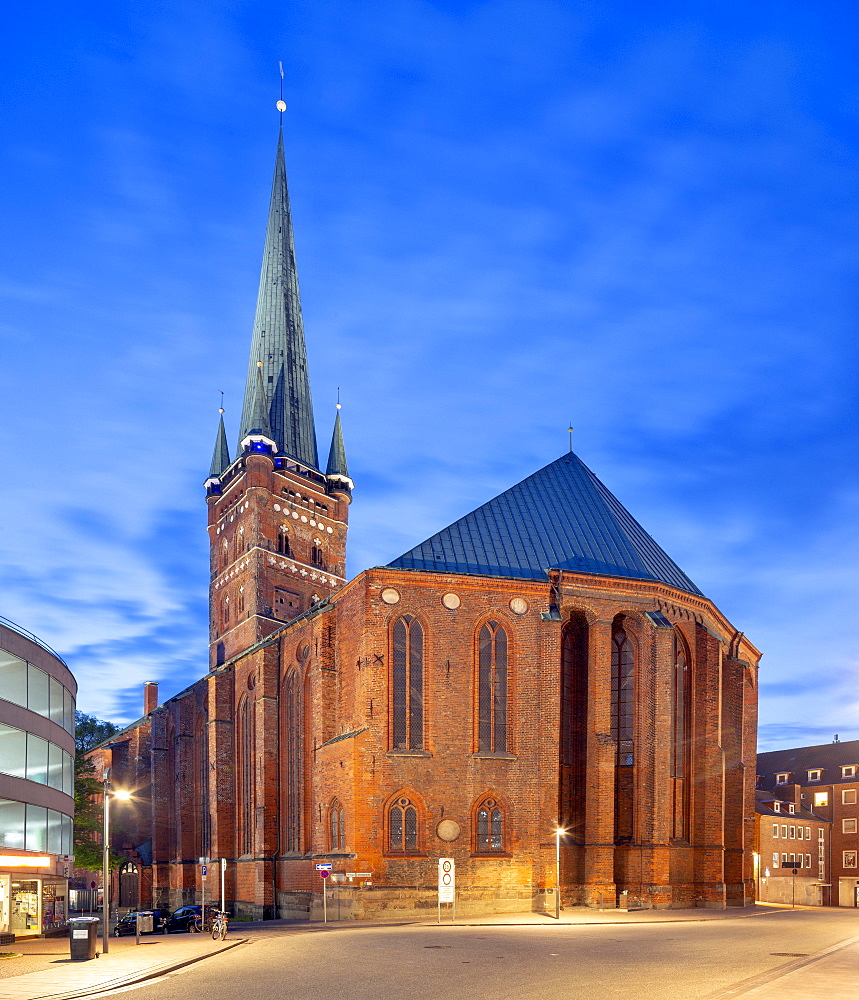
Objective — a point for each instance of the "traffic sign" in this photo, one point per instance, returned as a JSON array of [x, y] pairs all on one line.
[[324, 873], [446, 880], [205, 869], [324, 868], [93, 885]]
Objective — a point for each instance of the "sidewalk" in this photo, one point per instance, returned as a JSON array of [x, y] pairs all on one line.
[[62, 979], [832, 974]]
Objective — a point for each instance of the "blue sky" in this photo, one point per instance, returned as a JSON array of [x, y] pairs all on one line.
[[509, 216]]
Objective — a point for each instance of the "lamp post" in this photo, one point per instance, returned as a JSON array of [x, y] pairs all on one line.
[[558, 833], [123, 796]]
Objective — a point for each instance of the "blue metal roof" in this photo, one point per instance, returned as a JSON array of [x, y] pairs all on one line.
[[562, 517]]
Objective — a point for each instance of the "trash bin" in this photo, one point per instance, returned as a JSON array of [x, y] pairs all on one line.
[[83, 934]]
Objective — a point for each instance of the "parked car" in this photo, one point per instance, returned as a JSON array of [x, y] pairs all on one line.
[[183, 918], [127, 924]]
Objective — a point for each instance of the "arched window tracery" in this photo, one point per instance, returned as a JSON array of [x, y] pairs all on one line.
[[403, 826], [574, 712], [292, 744], [492, 689], [245, 739], [489, 827], [336, 826], [283, 540], [680, 743], [407, 730], [623, 725]]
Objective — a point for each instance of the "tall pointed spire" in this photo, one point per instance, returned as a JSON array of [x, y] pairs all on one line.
[[337, 468], [278, 337], [221, 455]]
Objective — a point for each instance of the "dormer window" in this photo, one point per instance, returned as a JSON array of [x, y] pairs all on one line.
[[848, 771], [777, 807], [790, 808], [815, 774], [781, 779]]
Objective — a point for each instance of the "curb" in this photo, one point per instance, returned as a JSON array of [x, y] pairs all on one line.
[[140, 977]]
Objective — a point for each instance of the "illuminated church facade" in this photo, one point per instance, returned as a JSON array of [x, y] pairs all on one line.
[[539, 665]]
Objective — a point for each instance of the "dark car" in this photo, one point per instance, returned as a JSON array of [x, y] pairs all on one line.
[[184, 918], [127, 924]]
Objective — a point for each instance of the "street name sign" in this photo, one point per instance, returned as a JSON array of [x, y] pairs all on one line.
[[324, 868]]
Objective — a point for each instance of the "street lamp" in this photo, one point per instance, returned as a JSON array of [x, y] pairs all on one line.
[[558, 832], [123, 796]]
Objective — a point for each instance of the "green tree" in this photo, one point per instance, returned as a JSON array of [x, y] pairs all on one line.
[[89, 732]]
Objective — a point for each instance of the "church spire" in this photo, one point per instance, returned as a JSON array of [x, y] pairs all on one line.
[[221, 455], [278, 338], [337, 469]]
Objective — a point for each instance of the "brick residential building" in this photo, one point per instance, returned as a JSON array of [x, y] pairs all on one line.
[[824, 779], [791, 847], [540, 662]]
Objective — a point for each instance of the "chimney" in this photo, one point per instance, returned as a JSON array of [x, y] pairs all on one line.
[[150, 697]]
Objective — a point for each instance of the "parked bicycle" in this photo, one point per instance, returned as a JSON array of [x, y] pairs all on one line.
[[219, 925]]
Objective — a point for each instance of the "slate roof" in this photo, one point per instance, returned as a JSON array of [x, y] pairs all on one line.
[[278, 336], [797, 762], [561, 517]]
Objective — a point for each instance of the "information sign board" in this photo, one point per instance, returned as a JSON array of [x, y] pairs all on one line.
[[324, 867]]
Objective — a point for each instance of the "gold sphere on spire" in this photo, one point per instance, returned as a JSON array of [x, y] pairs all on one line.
[[281, 106]]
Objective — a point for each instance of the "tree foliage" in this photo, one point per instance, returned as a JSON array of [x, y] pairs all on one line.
[[89, 733]]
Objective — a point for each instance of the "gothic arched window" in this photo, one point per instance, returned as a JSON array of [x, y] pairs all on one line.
[[622, 725], [408, 684], [292, 737], [336, 827], [283, 540], [574, 712], [489, 827], [403, 826], [492, 689], [680, 704], [246, 793]]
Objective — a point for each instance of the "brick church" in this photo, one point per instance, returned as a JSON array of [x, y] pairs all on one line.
[[540, 664]]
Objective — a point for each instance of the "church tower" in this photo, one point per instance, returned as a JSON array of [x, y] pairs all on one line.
[[277, 522]]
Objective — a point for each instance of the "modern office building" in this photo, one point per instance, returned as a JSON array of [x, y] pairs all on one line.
[[37, 746]]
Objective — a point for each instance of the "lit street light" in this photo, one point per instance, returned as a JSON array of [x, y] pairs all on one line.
[[558, 834], [123, 796]]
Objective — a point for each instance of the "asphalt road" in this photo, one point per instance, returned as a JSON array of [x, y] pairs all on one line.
[[667, 961]]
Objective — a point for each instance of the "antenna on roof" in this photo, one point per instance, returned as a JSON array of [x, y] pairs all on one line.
[[281, 104], [836, 740]]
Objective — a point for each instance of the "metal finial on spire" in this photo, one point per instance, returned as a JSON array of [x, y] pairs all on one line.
[[281, 104], [570, 429], [337, 404], [221, 408]]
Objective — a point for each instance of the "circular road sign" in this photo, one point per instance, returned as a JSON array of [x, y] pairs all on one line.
[[325, 874]]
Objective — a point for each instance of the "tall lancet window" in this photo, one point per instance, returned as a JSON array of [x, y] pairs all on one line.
[[292, 745], [622, 723], [680, 709], [492, 689], [246, 791], [574, 714], [408, 684]]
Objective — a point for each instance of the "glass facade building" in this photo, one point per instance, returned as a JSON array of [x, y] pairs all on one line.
[[37, 717]]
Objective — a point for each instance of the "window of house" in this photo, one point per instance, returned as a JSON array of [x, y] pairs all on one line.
[[781, 779], [821, 798], [848, 796], [775, 859], [848, 859], [408, 684], [808, 861], [793, 861], [492, 689], [814, 775], [784, 861], [793, 833], [490, 827], [777, 807], [808, 833], [848, 826], [790, 808], [775, 829], [403, 826], [784, 832], [848, 771], [820, 835]]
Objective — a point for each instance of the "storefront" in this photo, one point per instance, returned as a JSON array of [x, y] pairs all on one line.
[[33, 898]]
